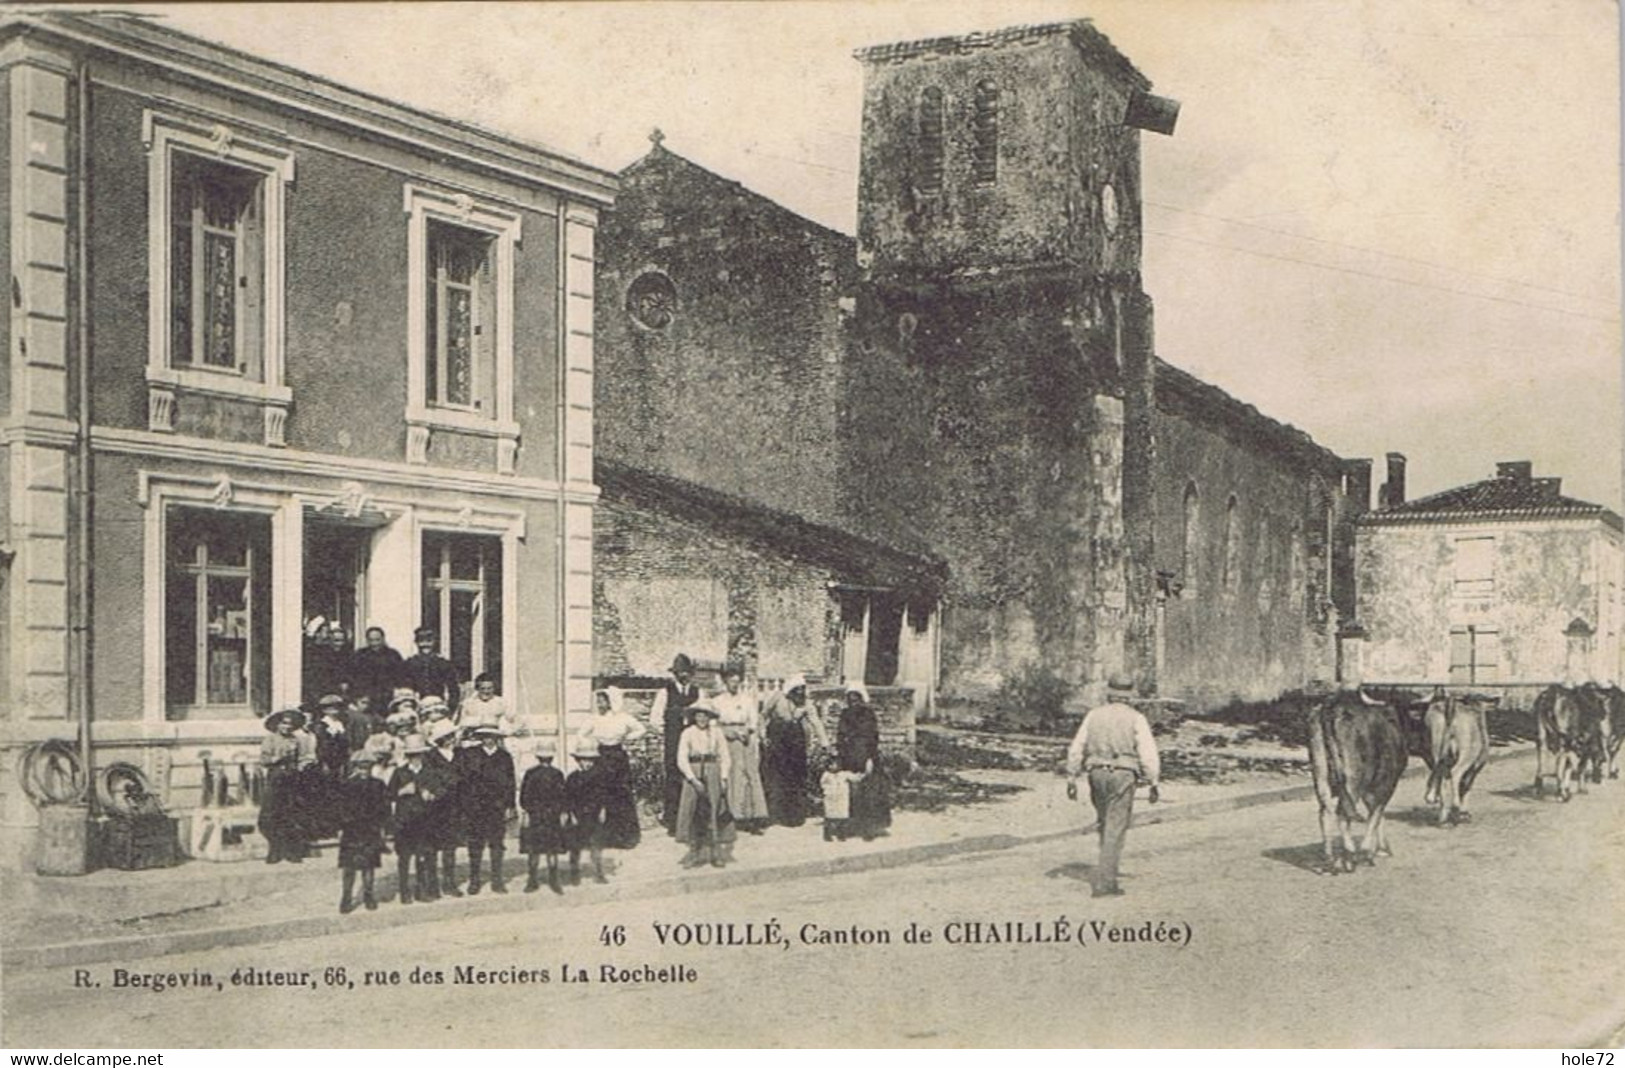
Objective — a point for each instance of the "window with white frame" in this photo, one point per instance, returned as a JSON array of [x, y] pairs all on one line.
[[1475, 655], [217, 624], [462, 599], [215, 229], [460, 340]]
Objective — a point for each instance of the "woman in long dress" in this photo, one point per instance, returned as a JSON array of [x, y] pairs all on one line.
[[792, 725], [612, 730], [283, 756], [703, 819], [857, 752], [740, 721]]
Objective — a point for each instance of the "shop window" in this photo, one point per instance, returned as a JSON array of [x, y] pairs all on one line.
[[1475, 655], [985, 133], [462, 599], [930, 140], [1474, 571], [218, 617]]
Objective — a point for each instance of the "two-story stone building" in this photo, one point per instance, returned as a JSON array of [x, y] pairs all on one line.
[[277, 349]]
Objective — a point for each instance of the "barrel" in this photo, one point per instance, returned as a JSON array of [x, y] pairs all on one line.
[[63, 843]]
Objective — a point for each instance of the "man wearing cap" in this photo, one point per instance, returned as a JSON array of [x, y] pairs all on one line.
[[441, 785], [671, 708], [428, 673], [488, 803], [413, 851], [1114, 747]]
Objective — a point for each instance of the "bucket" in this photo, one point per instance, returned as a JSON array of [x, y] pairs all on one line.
[[63, 843]]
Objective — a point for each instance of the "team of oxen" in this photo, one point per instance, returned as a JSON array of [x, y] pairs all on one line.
[[1359, 745]]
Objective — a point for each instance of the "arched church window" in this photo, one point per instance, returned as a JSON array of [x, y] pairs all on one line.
[[1190, 549], [931, 140], [1232, 546], [985, 133]]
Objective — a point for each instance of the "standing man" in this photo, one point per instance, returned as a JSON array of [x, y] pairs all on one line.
[[441, 785], [431, 674], [1114, 746], [376, 669], [671, 708]]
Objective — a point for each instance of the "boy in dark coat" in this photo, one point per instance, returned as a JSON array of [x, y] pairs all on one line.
[[488, 789], [541, 796], [584, 800], [364, 810], [442, 787], [412, 825]]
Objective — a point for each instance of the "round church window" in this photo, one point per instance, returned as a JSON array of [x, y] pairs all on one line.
[[652, 300]]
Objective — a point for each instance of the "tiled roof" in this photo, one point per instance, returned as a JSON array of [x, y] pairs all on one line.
[[1502, 497], [853, 558]]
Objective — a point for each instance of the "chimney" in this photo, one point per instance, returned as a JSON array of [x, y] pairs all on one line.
[[1392, 493], [1517, 470], [1357, 484]]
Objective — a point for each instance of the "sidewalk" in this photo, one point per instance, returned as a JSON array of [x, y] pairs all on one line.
[[123, 916]]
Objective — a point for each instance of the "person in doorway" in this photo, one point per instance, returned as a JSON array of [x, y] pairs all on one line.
[[282, 755], [364, 812], [704, 823], [414, 851], [612, 730], [584, 802], [1114, 747], [541, 796], [429, 673], [671, 710], [857, 755], [488, 804], [740, 721], [376, 669], [441, 785], [794, 729], [321, 671]]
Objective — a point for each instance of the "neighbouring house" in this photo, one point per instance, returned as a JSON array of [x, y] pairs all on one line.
[[1502, 583], [277, 349]]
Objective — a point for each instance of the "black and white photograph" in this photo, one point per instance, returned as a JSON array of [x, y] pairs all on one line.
[[991, 523]]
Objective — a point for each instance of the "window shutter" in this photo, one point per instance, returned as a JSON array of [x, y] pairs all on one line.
[[251, 287]]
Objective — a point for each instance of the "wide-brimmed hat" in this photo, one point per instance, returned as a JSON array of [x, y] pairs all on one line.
[[330, 700], [702, 708], [440, 728], [681, 662], [485, 730], [396, 720], [274, 718], [543, 745], [408, 698], [414, 743], [585, 749], [433, 706], [363, 758], [1120, 682]]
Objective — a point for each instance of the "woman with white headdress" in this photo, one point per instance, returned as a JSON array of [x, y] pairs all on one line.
[[612, 729], [792, 726], [857, 753]]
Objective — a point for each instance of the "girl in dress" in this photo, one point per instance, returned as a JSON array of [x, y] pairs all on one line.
[[703, 819], [541, 796], [740, 721]]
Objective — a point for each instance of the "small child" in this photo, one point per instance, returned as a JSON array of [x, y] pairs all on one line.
[[363, 812], [584, 797], [541, 795], [413, 854]]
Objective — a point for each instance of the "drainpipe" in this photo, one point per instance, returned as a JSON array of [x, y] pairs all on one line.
[[79, 486]]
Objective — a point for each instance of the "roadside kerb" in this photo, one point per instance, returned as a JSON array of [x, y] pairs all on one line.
[[136, 947]]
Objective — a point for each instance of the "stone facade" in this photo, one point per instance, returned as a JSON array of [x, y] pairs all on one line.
[[1483, 585]]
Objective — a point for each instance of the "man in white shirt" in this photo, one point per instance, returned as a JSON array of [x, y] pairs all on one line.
[[1114, 746]]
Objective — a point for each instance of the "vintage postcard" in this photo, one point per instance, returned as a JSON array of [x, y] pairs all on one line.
[[994, 522]]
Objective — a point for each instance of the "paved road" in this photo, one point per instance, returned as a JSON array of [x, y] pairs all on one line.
[[1505, 931]]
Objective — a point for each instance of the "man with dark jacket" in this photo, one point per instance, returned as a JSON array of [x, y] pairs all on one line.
[[376, 669], [431, 674], [488, 803], [671, 709]]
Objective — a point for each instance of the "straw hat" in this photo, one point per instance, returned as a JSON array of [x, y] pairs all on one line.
[[276, 717]]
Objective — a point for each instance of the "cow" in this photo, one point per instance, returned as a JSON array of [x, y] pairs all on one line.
[[1570, 731], [1615, 699], [1458, 745], [1357, 753]]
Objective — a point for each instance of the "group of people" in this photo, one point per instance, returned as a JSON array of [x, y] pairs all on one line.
[[393, 756], [731, 765]]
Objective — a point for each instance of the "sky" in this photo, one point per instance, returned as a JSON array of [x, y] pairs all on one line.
[[1392, 223]]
